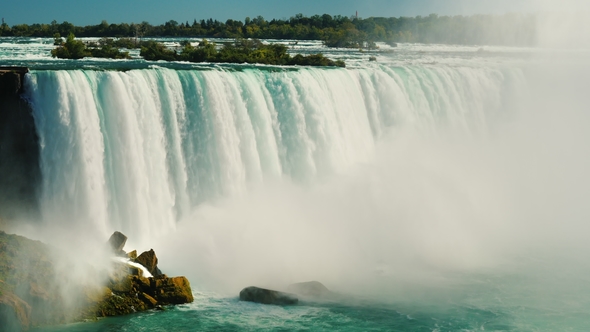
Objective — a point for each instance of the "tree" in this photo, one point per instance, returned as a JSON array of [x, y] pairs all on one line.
[[71, 49]]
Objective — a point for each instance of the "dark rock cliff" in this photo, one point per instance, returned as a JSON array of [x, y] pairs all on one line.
[[19, 149]]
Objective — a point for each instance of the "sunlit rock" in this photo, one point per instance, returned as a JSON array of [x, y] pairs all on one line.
[[175, 290], [132, 254], [150, 261]]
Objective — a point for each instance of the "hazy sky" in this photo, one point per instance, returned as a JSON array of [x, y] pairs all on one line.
[[82, 12]]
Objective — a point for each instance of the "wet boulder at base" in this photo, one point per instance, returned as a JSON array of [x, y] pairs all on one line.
[[267, 296], [117, 242], [175, 290]]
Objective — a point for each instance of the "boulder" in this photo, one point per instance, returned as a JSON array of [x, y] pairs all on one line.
[[267, 296], [310, 289], [150, 261], [117, 241], [175, 290], [148, 300], [15, 313]]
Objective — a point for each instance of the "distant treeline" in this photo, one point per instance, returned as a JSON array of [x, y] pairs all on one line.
[[507, 29]]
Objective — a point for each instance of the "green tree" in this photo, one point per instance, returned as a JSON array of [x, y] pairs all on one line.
[[71, 49]]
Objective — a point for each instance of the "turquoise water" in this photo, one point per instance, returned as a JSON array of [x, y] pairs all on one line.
[[228, 314], [440, 188], [485, 303]]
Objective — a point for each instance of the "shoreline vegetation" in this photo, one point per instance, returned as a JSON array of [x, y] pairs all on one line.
[[240, 51], [335, 31]]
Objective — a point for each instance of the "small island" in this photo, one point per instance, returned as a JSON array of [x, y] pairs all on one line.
[[240, 51], [251, 51], [76, 49]]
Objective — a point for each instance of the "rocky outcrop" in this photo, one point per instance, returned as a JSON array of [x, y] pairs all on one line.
[[175, 290], [150, 261], [132, 293], [12, 80], [129, 291], [314, 289], [31, 289], [267, 296], [117, 242]]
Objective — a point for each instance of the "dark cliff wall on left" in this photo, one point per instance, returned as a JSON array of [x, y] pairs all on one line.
[[19, 148]]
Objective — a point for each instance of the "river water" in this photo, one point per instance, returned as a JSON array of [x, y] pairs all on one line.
[[439, 188]]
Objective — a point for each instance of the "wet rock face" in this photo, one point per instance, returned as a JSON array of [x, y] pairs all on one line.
[[150, 261], [10, 83], [19, 149], [117, 242], [175, 290], [267, 296]]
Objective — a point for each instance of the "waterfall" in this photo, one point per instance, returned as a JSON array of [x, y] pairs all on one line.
[[136, 150]]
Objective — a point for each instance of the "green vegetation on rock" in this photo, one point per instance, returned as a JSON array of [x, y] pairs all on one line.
[[240, 51], [70, 49], [76, 49]]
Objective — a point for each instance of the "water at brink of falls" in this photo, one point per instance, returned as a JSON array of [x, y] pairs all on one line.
[[440, 188]]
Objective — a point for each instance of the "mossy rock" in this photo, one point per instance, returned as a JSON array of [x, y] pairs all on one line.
[[132, 254], [123, 304], [176, 290], [124, 285]]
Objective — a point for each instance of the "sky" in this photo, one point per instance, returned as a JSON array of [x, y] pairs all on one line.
[[81, 12]]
